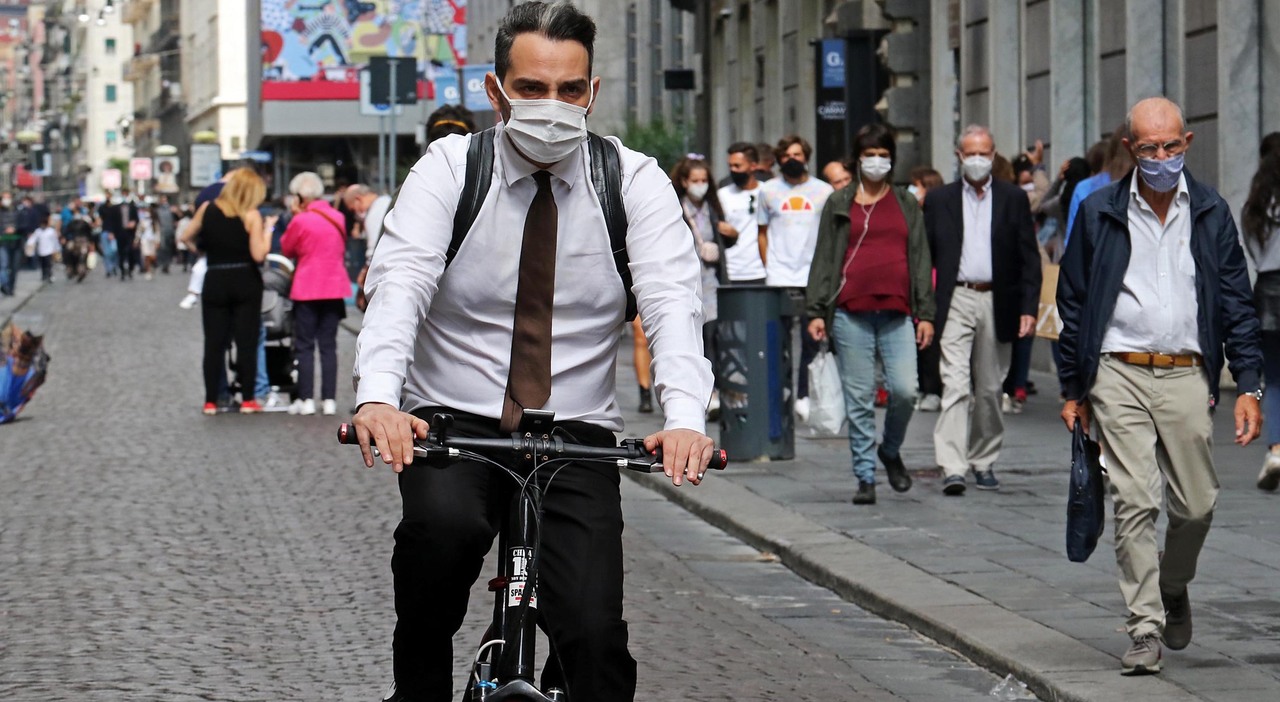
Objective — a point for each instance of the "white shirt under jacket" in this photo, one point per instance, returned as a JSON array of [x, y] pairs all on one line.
[[437, 338]]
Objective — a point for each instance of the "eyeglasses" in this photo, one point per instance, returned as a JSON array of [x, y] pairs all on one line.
[[1171, 148], [751, 204]]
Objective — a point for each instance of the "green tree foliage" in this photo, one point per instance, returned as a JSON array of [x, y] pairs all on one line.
[[664, 141]]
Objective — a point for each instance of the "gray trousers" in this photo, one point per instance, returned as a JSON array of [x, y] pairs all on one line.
[[970, 428], [1155, 422]]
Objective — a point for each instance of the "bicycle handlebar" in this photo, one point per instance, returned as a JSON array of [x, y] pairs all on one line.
[[631, 453]]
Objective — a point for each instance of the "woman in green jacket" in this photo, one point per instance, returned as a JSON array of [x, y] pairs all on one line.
[[871, 275]]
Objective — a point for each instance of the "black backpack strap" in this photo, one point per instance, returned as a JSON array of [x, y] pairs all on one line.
[[606, 177], [474, 189]]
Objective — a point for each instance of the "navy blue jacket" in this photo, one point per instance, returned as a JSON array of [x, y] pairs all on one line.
[[1093, 270]]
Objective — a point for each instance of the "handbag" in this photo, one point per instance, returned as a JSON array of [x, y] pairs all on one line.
[[826, 395], [1085, 515]]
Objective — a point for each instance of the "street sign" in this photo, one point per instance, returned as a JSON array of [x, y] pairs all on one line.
[[474, 97], [406, 82], [256, 156], [448, 92], [140, 168], [367, 107], [112, 178], [206, 164]]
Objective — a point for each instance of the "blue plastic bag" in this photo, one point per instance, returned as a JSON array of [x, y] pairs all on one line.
[[1085, 505]]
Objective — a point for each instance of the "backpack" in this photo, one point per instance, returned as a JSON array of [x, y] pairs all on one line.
[[606, 177]]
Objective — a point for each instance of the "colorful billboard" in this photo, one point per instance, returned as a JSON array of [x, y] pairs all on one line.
[[314, 49]]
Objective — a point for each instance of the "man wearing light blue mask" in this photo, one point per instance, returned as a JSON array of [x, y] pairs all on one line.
[[1152, 289]]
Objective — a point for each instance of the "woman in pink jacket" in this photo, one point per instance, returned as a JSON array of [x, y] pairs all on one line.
[[317, 239]]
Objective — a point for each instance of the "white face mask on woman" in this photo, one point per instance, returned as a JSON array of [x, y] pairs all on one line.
[[546, 130], [697, 191], [875, 168]]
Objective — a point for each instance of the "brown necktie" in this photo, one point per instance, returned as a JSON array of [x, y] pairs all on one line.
[[529, 382]]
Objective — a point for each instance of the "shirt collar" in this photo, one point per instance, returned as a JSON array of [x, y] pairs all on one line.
[[1182, 198], [515, 166], [970, 188]]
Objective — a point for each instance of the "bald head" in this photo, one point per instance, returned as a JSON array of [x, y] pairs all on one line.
[[837, 175], [1154, 113]]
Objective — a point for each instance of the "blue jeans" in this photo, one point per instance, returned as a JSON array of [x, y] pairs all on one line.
[[858, 338], [1271, 375], [262, 384], [10, 257]]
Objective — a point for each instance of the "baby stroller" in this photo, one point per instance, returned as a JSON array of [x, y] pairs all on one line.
[[277, 320]]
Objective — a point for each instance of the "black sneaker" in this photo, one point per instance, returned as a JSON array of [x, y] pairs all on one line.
[[986, 480], [866, 494], [1177, 620], [899, 479], [646, 401], [953, 486]]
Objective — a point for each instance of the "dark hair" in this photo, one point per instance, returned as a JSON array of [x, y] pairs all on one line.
[[1095, 157], [873, 136], [1002, 169], [1118, 159], [1022, 163], [680, 173], [787, 141], [449, 119], [746, 149], [764, 154], [1259, 215], [1270, 144], [558, 21], [926, 176], [1077, 170]]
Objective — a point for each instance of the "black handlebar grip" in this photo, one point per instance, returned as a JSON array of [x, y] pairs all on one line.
[[347, 434], [719, 458]]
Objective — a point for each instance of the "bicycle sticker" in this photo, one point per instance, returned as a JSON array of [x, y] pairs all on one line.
[[520, 557]]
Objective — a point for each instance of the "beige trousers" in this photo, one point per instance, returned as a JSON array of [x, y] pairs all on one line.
[[970, 428], [1155, 422]]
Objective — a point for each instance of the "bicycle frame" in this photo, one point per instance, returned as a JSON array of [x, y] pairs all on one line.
[[507, 674]]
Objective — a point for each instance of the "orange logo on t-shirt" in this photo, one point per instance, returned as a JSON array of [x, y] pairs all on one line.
[[796, 203]]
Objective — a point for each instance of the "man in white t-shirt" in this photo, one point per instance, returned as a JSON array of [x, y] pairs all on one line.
[[369, 207], [740, 201], [789, 210]]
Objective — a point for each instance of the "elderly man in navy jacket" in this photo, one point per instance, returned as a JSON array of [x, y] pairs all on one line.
[[1152, 288]]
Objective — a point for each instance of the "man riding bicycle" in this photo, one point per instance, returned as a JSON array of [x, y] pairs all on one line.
[[528, 314]]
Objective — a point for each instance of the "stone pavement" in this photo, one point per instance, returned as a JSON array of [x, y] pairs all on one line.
[[987, 573], [151, 553]]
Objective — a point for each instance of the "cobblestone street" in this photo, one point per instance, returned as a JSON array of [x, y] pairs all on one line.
[[152, 553]]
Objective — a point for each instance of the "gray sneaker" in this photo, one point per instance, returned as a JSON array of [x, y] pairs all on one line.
[[1143, 656], [1269, 477]]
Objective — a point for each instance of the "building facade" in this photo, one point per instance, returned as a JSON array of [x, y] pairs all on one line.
[[215, 40], [103, 109], [154, 68], [1061, 71]]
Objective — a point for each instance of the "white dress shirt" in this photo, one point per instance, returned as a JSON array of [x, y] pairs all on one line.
[[432, 339], [1157, 308], [373, 218], [975, 256]]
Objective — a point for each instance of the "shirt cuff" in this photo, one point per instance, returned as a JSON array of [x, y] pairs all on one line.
[[684, 413], [1247, 381], [381, 387]]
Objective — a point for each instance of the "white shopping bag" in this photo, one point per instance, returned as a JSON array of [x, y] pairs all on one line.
[[826, 396]]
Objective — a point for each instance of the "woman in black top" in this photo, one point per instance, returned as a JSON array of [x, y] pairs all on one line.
[[232, 236]]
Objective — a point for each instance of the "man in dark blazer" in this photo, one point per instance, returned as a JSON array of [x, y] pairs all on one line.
[[988, 292]]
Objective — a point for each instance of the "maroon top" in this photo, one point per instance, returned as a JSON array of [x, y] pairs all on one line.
[[876, 279]]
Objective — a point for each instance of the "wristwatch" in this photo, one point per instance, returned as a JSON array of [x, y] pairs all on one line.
[[1256, 394]]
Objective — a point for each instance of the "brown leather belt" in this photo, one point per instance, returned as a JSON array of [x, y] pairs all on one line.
[[979, 287], [1161, 360]]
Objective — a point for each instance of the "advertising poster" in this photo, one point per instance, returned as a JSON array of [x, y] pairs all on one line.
[[314, 50]]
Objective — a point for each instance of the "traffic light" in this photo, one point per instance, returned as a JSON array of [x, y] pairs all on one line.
[[906, 103]]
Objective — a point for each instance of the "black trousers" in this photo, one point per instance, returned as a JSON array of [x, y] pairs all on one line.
[[230, 310], [130, 259], [451, 515], [315, 325], [928, 368]]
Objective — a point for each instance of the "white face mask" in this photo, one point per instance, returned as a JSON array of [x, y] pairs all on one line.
[[546, 130], [697, 191], [1029, 187], [875, 168], [976, 168]]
